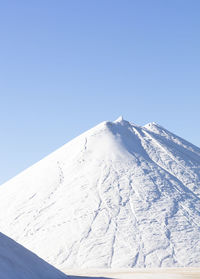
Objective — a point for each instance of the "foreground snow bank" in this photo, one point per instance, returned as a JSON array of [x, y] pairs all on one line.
[[16, 262]]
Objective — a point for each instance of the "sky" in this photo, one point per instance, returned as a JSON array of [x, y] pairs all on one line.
[[67, 65]]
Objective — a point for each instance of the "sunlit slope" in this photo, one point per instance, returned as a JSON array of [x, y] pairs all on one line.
[[119, 195]]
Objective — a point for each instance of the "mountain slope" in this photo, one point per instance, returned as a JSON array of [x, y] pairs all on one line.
[[119, 195], [16, 262]]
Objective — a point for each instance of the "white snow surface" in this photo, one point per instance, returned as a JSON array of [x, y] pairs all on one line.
[[16, 262], [119, 195]]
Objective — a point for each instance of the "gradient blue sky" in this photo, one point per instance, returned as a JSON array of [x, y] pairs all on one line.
[[66, 65]]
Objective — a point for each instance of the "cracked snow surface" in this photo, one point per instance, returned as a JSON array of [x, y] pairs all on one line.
[[119, 195]]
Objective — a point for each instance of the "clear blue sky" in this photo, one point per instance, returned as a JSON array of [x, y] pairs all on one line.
[[66, 65]]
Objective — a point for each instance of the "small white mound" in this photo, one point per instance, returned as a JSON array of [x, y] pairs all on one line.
[[119, 119]]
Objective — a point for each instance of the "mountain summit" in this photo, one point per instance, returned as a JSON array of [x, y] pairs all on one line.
[[119, 195]]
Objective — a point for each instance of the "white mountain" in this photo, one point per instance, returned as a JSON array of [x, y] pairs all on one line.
[[119, 195], [16, 262]]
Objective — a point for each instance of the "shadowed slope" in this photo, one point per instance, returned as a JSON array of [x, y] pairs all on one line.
[[16, 262]]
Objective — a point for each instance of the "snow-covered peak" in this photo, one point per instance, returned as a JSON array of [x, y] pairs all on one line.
[[119, 195], [120, 121]]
